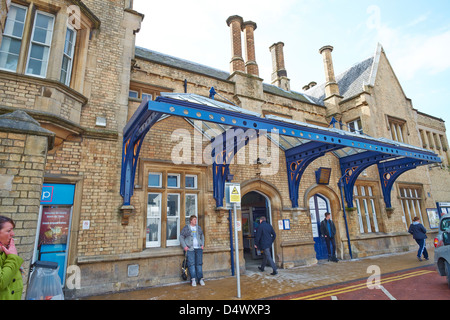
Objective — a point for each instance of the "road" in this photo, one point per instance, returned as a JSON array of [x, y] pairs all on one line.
[[423, 283]]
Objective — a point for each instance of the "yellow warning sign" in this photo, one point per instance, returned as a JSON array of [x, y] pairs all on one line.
[[235, 194]]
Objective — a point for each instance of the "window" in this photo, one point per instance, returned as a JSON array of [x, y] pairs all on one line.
[[191, 206], [410, 198], [28, 48], [12, 37], [173, 180], [171, 199], [69, 48], [191, 181], [355, 126], [173, 219], [133, 94], [41, 39], [153, 238], [366, 209], [154, 179], [147, 96], [397, 128], [142, 91]]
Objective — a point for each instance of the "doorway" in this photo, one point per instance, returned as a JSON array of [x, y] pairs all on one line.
[[318, 205], [254, 205], [54, 226]]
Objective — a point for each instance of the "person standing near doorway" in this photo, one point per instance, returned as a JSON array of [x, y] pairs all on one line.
[[192, 240], [265, 236], [328, 231], [419, 234]]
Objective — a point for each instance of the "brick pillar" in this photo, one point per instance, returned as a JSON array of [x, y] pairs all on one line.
[[237, 62], [331, 86], [251, 67], [279, 73], [23, 156]]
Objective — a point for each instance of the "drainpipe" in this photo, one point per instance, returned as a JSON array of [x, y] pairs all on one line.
[[341, 188]]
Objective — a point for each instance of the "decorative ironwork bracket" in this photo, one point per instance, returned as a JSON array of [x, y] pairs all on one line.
[[391, 170], [298, 159], [353, 166]]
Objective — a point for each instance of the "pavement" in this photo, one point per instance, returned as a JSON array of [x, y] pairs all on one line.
[[257, 285]]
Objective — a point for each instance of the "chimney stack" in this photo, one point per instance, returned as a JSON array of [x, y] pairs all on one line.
[[251, 67], [331, 86], [279, 73], [237, 62]]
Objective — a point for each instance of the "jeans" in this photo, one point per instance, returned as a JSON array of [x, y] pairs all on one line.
[[422, 248], [331, 251], [268, 256], [195, 263]]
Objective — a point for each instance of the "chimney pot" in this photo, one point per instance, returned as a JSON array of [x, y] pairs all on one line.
[[251, 66], [331, 87], [237, 62], [279, 73]]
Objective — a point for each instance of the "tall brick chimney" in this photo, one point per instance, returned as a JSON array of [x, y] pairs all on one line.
[[279, 73], [332, 96], [251, 67], [331, 86], [237, 62]]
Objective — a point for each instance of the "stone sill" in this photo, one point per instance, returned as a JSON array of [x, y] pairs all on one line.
[[148, 253]]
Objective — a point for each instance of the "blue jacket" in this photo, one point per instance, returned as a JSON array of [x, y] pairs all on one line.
[[418, 231], [265, 236]]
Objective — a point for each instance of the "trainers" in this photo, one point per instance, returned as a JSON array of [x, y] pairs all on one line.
[[274, 273], [260, 269], [202, 283], [419, 258], [193, 283]]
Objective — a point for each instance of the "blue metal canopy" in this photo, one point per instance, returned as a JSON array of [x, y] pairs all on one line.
[[302, 143]]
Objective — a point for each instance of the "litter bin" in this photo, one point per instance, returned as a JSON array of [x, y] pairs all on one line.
[[45, 283]]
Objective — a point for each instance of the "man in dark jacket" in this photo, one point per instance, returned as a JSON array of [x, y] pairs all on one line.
[[419, 234], [328, 231], [265, 236]]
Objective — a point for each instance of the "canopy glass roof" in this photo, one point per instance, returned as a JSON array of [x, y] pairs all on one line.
[[301, 142]]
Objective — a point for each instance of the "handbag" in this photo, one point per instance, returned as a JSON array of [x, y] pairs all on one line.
[[184, 267]]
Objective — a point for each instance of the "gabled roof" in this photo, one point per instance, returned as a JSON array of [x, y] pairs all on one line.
[[352, 81]]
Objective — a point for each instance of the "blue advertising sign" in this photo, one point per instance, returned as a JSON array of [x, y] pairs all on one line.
[[57, 194]]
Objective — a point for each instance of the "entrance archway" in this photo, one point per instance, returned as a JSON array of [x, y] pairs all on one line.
[[318, 205], [254, 205]]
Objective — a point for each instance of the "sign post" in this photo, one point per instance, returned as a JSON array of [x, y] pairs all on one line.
[[234, 192]]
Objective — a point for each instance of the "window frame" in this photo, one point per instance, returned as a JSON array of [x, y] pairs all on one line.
[[11, 36], [411, 202], [357, 126], [31, 42], [398, 129], [178, 185], [71, 59], [160, 179], [195, 181], [183, 196], [177, 217], [366, 207], [155, 243]]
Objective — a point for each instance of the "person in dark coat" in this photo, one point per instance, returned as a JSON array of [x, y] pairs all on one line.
[[328, 231], [265, 236], [419, 234]]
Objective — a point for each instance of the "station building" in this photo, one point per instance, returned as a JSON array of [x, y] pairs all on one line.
[[106, 149]]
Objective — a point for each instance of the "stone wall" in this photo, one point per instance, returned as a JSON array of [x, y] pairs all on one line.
[[23, 151]]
